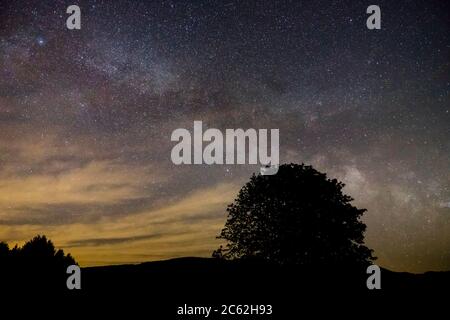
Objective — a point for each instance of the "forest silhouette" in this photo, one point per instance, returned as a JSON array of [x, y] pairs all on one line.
[[37, 264]]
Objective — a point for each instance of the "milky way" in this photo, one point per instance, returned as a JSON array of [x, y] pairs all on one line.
[[86, 117]]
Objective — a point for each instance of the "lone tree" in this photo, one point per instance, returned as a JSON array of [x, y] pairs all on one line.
[[297, 216]]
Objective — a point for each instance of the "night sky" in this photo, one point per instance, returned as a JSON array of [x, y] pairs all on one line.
[[86, 118]]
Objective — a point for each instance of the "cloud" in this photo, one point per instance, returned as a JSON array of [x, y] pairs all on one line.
[[65, 190], [96, 182], [163, 232], [104, 241]]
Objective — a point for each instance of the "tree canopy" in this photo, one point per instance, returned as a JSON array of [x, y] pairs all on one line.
[[297, 216], [36, 264]]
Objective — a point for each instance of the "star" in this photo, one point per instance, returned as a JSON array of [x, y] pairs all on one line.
[[40, 41]]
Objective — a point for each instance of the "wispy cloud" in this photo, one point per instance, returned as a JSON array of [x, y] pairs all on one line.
[[187, 226]]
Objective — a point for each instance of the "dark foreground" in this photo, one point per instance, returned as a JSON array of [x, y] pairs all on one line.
[[160, 290]]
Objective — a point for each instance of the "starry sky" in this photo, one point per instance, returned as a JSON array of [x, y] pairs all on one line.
[[86, 117]]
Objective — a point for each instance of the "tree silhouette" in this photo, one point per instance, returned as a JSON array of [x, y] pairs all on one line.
[[40, 251], [36, 264], [297, 216], [4, 251]]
